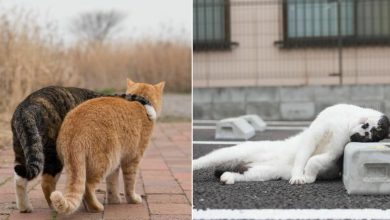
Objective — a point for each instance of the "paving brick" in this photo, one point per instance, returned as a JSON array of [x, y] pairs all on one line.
[[163, 189], [80, 215], [167, 198], [189, 195], [170, 209], [37, 214], [171, 217], [126, 211]]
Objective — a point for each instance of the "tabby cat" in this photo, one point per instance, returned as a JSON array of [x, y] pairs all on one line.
[[99, 137], [35, 125]]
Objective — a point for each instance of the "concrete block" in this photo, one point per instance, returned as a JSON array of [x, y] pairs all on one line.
[[203, 95], [262, 94], [297, 93], [367, 92], [267, 110], [297, 110], [227, 110], [255, 121], [367, 168], [236, 95], [201, 111], [234, 128], [333, 94]]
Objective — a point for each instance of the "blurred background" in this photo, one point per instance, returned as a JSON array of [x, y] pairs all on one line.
[[289, 59], [94, 44]]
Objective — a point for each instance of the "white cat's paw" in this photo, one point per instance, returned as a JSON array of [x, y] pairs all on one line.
[[227, 178], [134, 199], [310, 179], [297, 180]]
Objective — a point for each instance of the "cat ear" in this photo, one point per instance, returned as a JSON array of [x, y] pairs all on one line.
[[160, 86], [130, 82]]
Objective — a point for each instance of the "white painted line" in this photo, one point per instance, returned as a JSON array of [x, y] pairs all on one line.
[[283, 128], [205, 121], [204, 127], [217, 142], [288, 123], [272, 128], [260, 214]]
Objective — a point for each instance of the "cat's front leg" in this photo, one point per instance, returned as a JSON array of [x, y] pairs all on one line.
[[129, 170]]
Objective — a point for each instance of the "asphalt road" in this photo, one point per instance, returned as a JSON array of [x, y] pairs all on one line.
[[209, 193]]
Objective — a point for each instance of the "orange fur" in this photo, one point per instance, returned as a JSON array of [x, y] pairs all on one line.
[[98, 137]]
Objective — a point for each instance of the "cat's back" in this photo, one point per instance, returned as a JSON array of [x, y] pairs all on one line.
[[106, 109], [53, 99]]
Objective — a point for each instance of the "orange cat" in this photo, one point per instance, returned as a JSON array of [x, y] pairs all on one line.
[[96, 139]]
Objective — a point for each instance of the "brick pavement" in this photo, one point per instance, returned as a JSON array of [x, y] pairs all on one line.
[[164, 181]]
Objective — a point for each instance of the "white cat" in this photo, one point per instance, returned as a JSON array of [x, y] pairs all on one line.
[[303, 157]]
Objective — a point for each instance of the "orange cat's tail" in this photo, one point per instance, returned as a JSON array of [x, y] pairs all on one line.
[[74, 189]]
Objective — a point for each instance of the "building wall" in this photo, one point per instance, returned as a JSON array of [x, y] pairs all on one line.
[[257, 61]]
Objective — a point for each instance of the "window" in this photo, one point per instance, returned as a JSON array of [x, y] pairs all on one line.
[[211, 28], [324, 22]]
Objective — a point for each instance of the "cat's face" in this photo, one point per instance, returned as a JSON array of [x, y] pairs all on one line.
[[372, 129], [151, 92]]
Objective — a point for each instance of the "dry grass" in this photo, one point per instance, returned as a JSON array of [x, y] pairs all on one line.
[[32, 57]]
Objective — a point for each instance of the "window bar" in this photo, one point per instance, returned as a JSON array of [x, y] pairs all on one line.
[[296, 18], [213, 7], [320, 6], [304, 18], [313, 4], [205, 21], [372, 3], [355, 19], [196, 6], [380, 14], [227, 21]]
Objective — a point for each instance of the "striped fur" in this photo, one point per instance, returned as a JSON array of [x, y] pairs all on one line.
[[35, 125]]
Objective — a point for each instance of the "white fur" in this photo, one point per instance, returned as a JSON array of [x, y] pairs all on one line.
[[300, 158], [151, 112], [22, 200]]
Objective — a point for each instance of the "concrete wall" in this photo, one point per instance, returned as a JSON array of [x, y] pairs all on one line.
[[285, 103], [257, 61]]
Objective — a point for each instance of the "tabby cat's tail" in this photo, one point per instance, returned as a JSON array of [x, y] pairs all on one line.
[[26, 132], [75, 186]]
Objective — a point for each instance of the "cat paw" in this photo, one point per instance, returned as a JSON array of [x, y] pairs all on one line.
[[227, 178], [134, 199], [297, 180], [310, 179], [27, 208], [98, 207], [113, 199]]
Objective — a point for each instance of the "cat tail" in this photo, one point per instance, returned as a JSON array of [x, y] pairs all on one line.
[[225, 158], [27, 133], [75, 185]]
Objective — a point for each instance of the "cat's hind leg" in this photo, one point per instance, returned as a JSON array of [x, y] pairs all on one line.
[[48, 184], [129, 170], [92, 203], [317, 164], [258, 173], [51, 171], [112, 187], [22, 200]]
